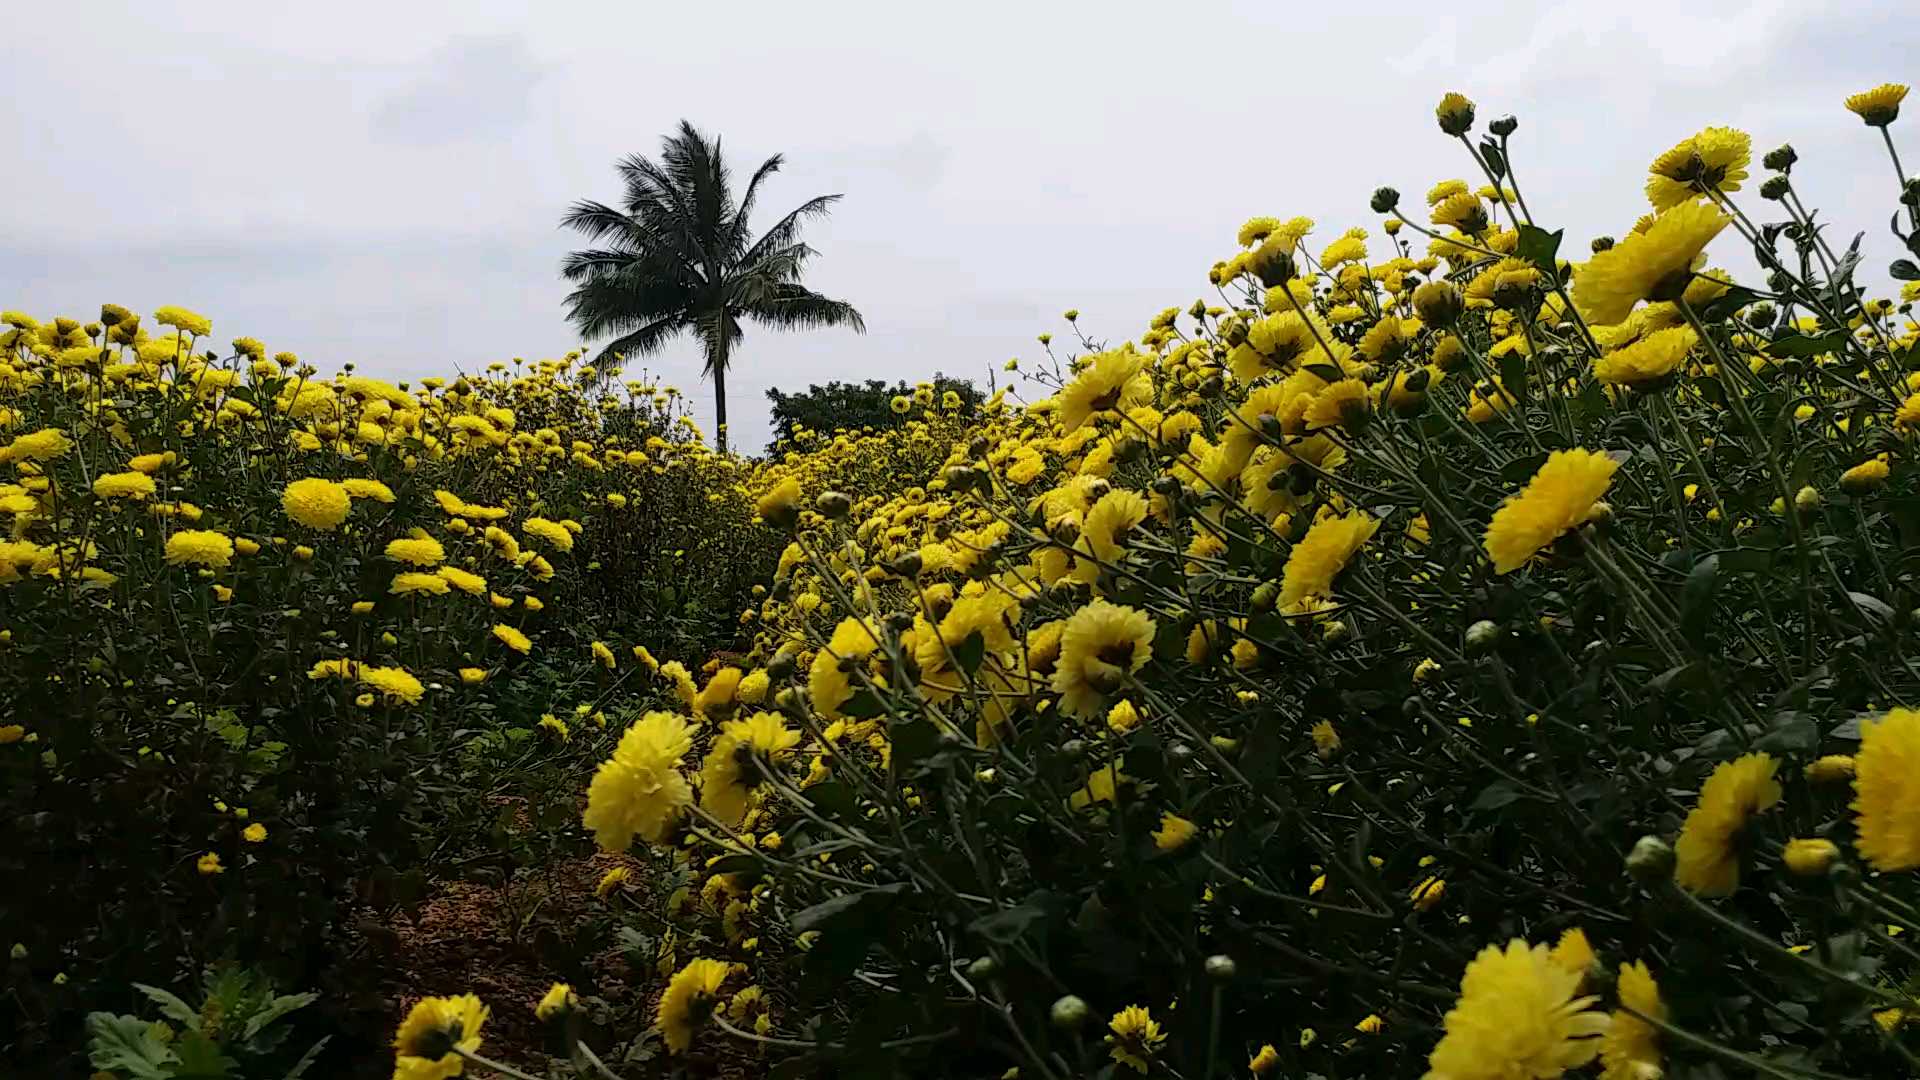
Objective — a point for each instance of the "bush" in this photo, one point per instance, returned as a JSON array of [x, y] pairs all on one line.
[[273, 643], [1446, 660], [871, 406]]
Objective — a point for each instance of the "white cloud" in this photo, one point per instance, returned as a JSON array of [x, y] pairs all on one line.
[[380, 183]]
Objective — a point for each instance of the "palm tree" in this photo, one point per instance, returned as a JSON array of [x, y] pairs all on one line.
[[680, 257]]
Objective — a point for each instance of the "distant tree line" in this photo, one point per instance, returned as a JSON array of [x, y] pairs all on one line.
[[859, 405]]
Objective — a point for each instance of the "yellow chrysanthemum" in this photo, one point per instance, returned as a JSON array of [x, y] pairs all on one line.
[[125, 485], [1648, 360], [828, 680], [1705, 858], [1101, 644], [612, 880], [317, 503], [417, 551], [1886, 790], [1879, 106], [1714, 160], [733, 768], [1135, 1038], [1653, 265], [199, 547], [1558, 498], [551, 533], [1320, 556], [1631, 1048], [414, 582], [424, 1046], [1174, 832], [392, 683], [689, 999], [467, 582], [512, 638], [639, 791], [1111, 382], [1517, 1017], [558, 999]]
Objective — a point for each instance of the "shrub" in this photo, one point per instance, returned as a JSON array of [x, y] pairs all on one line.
[[1435, 660]]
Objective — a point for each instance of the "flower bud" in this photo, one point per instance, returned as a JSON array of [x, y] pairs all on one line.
[[1272, 262], [1504, 126], [833, 505], [1775, 188], [985, 967], [1482, 635], [781, 667], [1234, 331], [1439, 303], [1650, 861], [1780, 158], [1384, 200], [1265, 595], [1455, 114], [1068, 1012], [1810, 857], [1807, 499], [1335, 632], [1601, 243], [1220, 967], [906, 566]]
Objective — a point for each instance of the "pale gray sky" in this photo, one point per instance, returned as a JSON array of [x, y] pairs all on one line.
[[380, 183]]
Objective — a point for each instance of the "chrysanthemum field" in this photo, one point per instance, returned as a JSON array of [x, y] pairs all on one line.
[[1447, 648]]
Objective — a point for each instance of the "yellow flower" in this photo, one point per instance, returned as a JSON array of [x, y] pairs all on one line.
[[1264, 1061], [199, 547], [12, 733], [209, 864], [1558, 498], [1100, 787], [245, 546], [1517, 1016], [420, 550], [1705, 859], [603, 655], [1647, 360], [556, 725], [467, 582], [689, 1000], [1427, 895], [255, 833], [1869, 475], [45, 444], [1831, 768], [732, 768], [1653, 265], [1320, 556], [424, 1046], [1887, 791], [1123, 717], [780, 506], [1101, 644], [827, 680], [1326, 740], [316, 503], [393, 684], [1111, 382], [473, 676], [186, 321], [1370, 1024], [612, 880], [1879, 106], [1573, 952], [126, 485], [1455, 113], [1809, 857], [1630, 1049], [639, 790], [1174, 832], [1135, 1038], [412, 582], [512, 638], [1344, 404], [558, 999], [152, 463], [554, 534], [1714, 160], [367, 489]]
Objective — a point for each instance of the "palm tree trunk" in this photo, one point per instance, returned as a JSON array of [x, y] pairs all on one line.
[[720, 393]]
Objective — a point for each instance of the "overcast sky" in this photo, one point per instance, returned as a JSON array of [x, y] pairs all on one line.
[[380, 183]]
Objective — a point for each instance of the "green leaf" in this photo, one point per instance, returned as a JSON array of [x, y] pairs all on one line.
[[1008, 926], [1904, 270], [1513, 376], [1540, 247], [1802, 345], [833, 799], [735, 864], [171, 1006], [828, 913], [862, 706], [1726, 304], [1496, 795], [307, 1059], [201, 1059], [1791, 732], [970, 652], [1696, 596], [124, 1044]]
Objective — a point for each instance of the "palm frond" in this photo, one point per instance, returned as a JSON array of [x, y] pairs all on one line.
[[796, 307], [787, 230]]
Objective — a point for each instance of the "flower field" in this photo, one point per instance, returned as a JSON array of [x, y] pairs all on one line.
[[1435, 652]]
